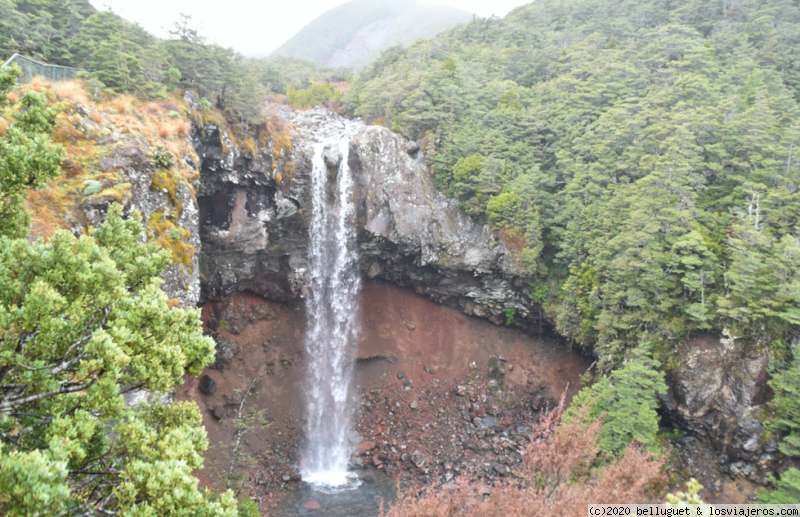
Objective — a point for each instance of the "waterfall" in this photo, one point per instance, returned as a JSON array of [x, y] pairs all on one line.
[[333, 317]]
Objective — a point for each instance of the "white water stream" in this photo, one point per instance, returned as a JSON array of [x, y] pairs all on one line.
[[333, 317]]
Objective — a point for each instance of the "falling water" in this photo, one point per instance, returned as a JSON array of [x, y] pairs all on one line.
[[333, 315]]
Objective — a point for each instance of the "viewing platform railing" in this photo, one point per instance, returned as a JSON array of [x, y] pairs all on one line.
[[31, 68]]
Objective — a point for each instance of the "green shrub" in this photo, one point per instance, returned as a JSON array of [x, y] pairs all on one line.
[[91, 187]]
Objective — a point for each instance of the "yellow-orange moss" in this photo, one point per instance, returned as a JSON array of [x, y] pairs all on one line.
[[119, 192], [161, 228], [166, 180]]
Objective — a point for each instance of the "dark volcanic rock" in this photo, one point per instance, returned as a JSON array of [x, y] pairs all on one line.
[[254, 228], [717, 391], [207, 385], [225, 352]]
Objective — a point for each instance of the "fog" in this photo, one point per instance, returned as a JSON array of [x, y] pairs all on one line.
[[254, 27]]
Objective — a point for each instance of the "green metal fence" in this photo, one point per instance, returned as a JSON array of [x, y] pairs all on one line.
[[31, 68]]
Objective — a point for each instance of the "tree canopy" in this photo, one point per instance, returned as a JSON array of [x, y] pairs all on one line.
[[644, 150], [84, 321]]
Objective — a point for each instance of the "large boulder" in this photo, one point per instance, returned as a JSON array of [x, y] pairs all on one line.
[[717, 390]]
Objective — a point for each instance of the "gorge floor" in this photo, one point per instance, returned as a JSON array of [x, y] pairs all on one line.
[[411, 432], [422, 376]]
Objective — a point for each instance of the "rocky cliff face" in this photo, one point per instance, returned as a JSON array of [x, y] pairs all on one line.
[[717, 391], [254, 217]]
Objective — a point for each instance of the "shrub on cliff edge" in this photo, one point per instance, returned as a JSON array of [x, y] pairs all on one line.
[[82, 322]]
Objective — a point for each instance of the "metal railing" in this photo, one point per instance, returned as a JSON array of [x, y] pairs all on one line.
[[31, 68]]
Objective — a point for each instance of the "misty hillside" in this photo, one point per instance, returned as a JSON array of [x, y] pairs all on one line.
[[355, 33]]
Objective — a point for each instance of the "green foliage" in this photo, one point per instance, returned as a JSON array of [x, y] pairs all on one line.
[[502, 209], [41, 29], [83, 322], [787, 489], [247, 507], [316, 95], [511, 312], [643, 151], [539, 294], [785, 404], [162, 158], [28, 158], [627, 397], [509, 100], [691, 496], [278, 73]]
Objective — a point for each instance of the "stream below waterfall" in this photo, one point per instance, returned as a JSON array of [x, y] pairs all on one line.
[[364, 501]]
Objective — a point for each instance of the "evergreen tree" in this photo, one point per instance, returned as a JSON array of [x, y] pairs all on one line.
[[627, 398], [84, 321], [28, 158]]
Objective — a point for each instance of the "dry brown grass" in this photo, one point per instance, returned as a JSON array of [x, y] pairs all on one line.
[[178, 127], [151, 108], [72, 90], [39, 83], [121, 104], [562, 473]]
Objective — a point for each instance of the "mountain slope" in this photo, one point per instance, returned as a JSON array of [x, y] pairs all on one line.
[[640, 153], [355, 33]]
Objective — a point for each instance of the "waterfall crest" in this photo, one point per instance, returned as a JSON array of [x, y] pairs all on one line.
[[333, 315]]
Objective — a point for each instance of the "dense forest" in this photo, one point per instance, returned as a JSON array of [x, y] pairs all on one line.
[[639, 156], [645, 151]]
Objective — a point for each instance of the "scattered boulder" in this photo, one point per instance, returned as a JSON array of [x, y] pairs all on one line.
[[401, 375], [225, 352], [411, 325], [311, 505], [191, 97], [365, 446], [207, 385]]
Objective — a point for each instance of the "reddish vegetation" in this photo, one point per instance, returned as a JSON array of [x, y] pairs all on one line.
[[561, 477]]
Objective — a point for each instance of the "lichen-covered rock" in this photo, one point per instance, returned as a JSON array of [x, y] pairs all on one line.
[[136, 171], [717, 390]]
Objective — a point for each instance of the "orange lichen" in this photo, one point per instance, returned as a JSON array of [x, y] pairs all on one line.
[[161, 228]]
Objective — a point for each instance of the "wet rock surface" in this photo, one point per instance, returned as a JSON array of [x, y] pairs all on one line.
[[270, 351], [255, 217], [717, 392]]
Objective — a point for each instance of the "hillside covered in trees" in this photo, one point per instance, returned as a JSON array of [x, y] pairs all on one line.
[[640, 157], [645, 152]]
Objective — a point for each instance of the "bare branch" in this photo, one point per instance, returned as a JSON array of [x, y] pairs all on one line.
[[33, 398]]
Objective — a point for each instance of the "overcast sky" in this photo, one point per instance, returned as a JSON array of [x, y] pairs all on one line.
[[256, 26]]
